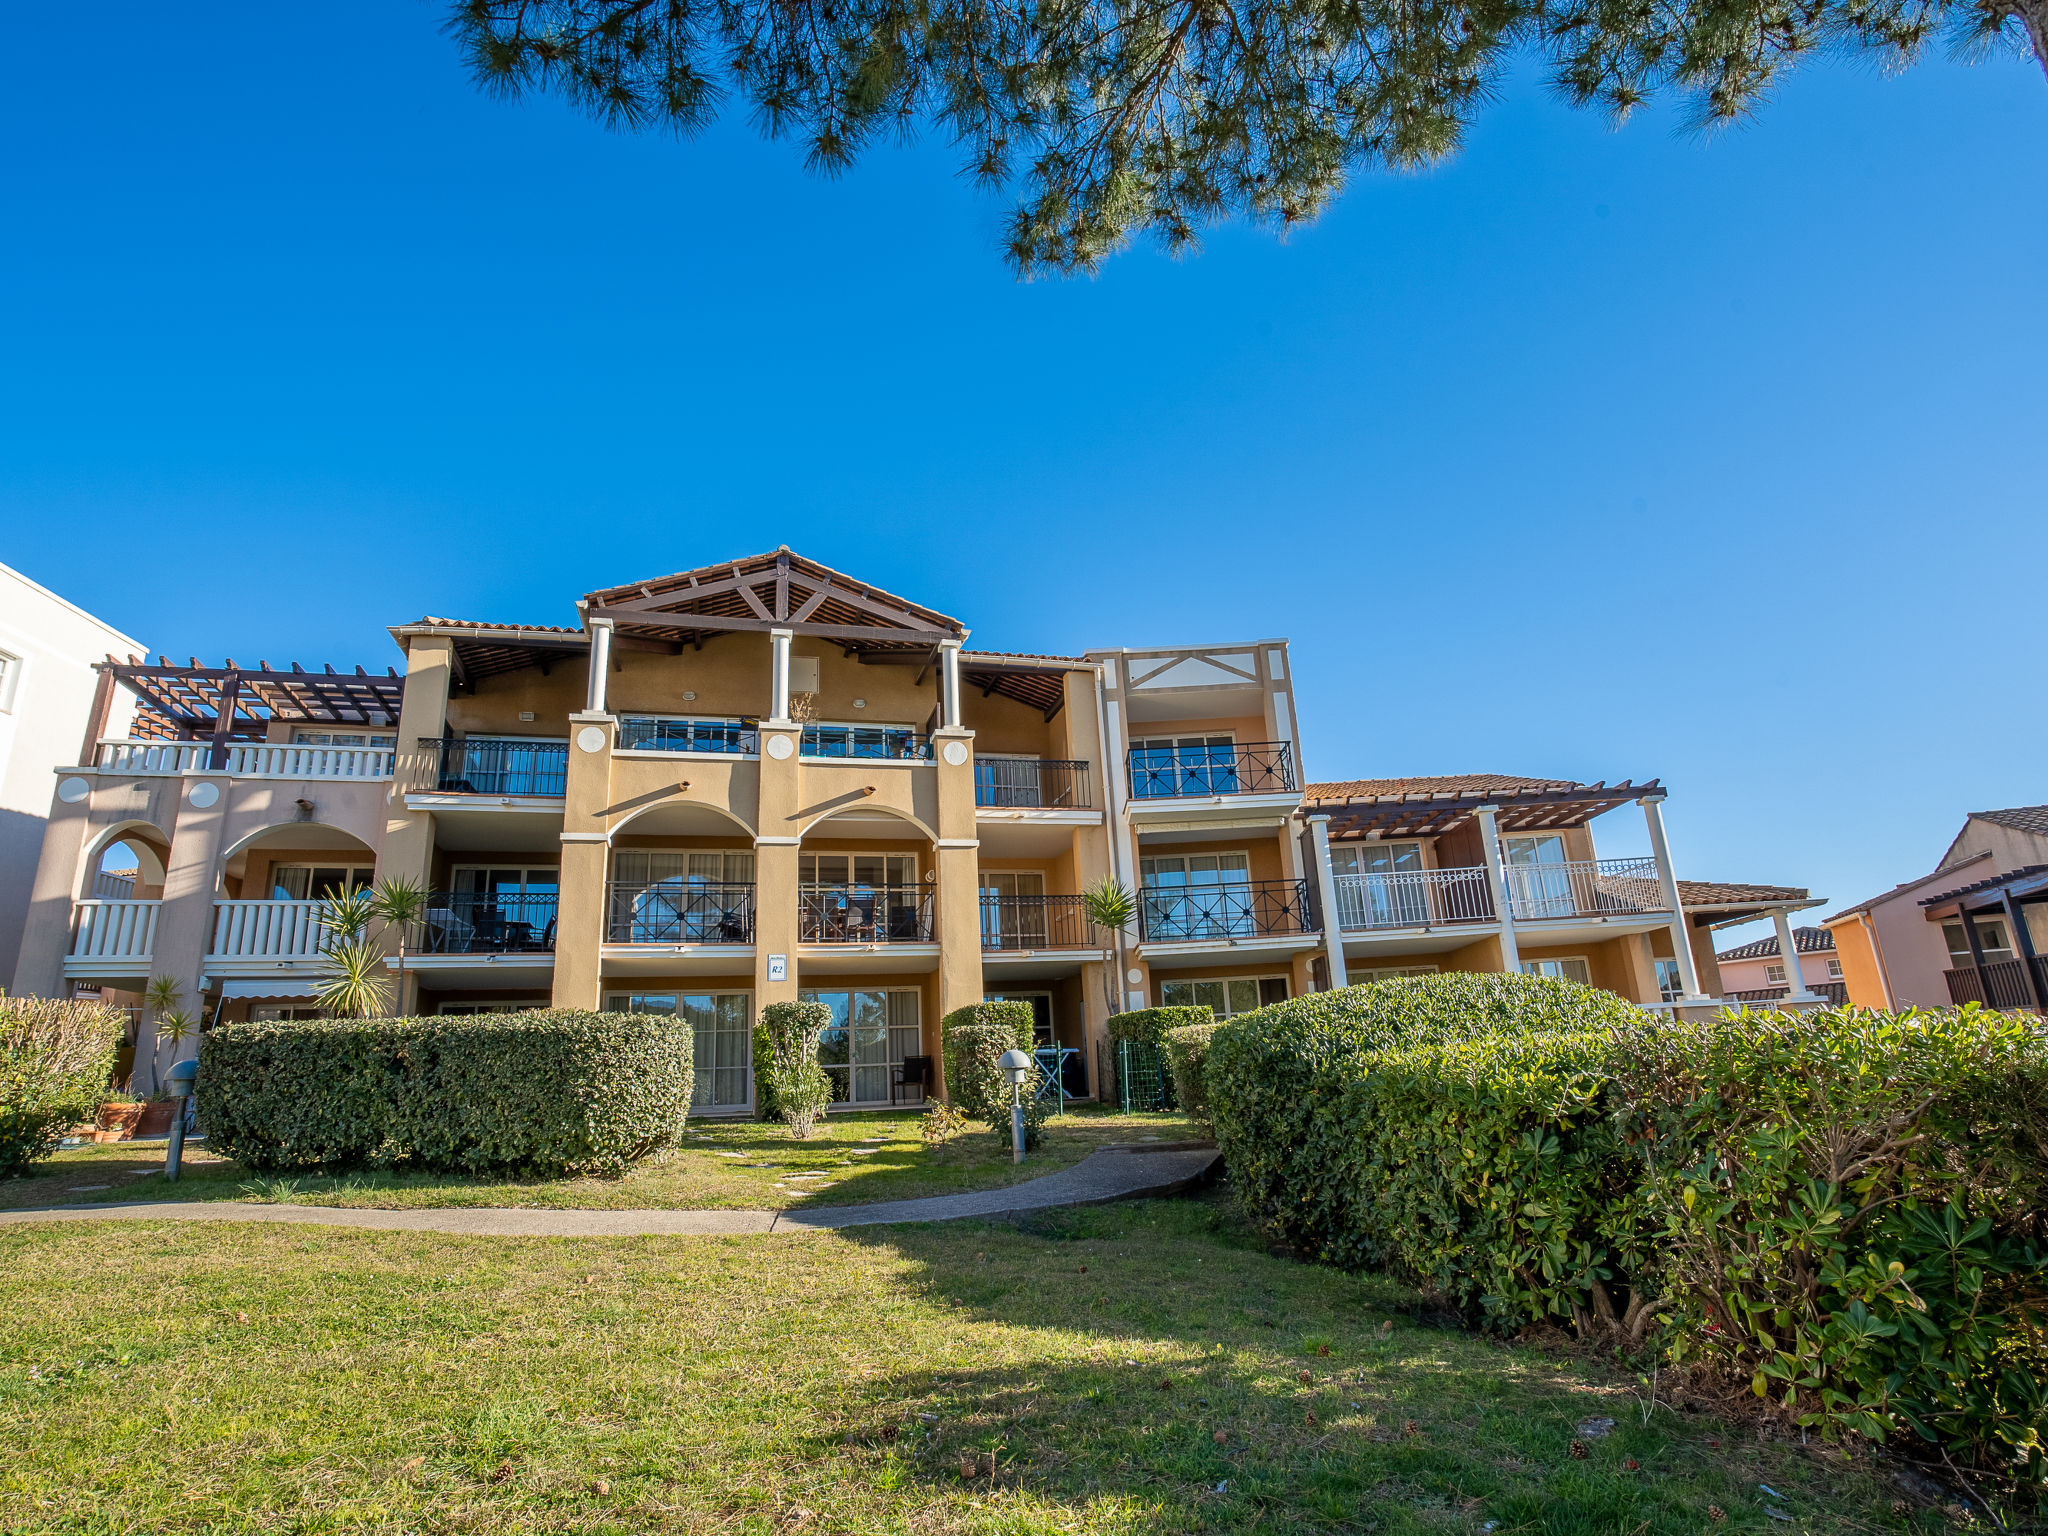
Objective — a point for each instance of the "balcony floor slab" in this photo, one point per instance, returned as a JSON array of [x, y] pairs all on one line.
[[677, 960], [1186, 954], [816, 960], [1377, 943]]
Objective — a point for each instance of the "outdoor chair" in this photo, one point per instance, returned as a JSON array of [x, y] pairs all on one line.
[[911, 1071]]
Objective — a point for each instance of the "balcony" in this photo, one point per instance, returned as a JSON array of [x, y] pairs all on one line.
[[1584, 888], [494, 765], [879, 743], [488, 923], [1241, 768], [1253, 909], [253, 760], [659, 733], [1015, 923], [1995, 984], [114, 930], [1031, 783], [268, 930], [678, 911], [1421, 898], [865, 914]]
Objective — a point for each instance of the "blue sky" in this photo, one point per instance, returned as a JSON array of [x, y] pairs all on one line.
[[1593, 454]]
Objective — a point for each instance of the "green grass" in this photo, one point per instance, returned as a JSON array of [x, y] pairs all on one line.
[[1128, 1369], [722, 1165]]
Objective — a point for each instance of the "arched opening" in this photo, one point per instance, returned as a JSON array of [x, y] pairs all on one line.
[[129, 865], [306, 861], [681, 873], [865, 876]]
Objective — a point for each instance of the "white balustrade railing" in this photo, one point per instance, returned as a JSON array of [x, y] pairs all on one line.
[[1414, 898], [249, 759], [268, 930], [1584, 888], [114, 930]]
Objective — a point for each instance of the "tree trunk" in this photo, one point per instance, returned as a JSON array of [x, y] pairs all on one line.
[[2033, 15]]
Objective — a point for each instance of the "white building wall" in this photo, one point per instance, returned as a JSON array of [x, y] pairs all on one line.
[[45, 702]]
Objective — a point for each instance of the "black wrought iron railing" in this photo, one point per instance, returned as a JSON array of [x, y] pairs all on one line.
[[1253, 909], [658, 733], [1239, 768], [497, 765], [1036, 922], [1995, 984], [865, 914], [1031, 782], [866, 741], [678, 911], [488, 923]]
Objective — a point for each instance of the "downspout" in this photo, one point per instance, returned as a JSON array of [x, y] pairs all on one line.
[[1884, 975]]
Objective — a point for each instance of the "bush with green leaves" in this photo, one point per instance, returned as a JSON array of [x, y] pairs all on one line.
[[788, 1082], [1844, 1209], [55, 1059], [547, 1092], [1037, 1111], [1148, 1026], [973, 1039], [1187, 1053]]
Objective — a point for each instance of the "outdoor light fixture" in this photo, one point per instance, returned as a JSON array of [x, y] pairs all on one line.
[[860, 703], [1016, 1066], [178, 1083]]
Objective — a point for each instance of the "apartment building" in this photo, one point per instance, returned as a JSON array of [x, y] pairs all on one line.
[[767, 779], [1756, 971]]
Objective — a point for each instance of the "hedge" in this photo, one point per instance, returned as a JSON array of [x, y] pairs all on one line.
[[547, 1092], [1843, 1209], [55, 1060], [973, 1039], [1148, 1026], [1187, 1053]]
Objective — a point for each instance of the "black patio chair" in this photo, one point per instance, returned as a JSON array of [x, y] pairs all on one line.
[[911, 1071]]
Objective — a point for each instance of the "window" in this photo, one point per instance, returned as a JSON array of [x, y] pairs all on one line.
[[495, 909], [1041, 1012], [663, 896], [1538, 876], [469, 1010], [1834, 970], [1013, 910], [721, 1027], [1670, 981], [10, 678], [1991, 938], [1573, 969], [1359, 978], [1197, 896], [870, 1033], [263, 1011], [1774, 973], [837, 869], [1371, 892], [1166, 766], [894, 742], [341, 739], [317, 882], [1226, 999]]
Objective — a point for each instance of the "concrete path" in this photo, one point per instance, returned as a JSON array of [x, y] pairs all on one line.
[[1114, 1173]]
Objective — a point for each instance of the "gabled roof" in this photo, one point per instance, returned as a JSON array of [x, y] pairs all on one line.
[[2025, 875], [778, 590], [1904, 887], [1417, 807], [1807, 941], [2020, 818]]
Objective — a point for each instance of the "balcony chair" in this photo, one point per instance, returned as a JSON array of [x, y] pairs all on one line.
[[447, 933], [911, 1070]]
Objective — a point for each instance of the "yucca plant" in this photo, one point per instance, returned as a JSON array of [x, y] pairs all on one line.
[[353, 984], [161, 997], [1111, 907], [348, 914], [175, 1028], [399, 903]]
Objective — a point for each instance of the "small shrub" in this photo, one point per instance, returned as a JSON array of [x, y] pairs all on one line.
[[1148, 1026], [786, 1063], [548, 1092], [55, 1058], [1187, 1051], [1036, 1110], [973, 1040], [942, 1122]]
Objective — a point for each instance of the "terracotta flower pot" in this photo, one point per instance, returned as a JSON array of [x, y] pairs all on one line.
[[156, 1118], [118, 1120]]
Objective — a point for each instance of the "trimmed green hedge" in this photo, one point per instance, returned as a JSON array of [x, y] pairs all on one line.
[[1148, 1026], [1187, 1053], [973, 1039], [548, 1092], [55, 1059], [1844, 1209], [789, 1085]]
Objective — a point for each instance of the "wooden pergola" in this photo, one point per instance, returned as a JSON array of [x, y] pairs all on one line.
[[232, 703], [1433, 812]]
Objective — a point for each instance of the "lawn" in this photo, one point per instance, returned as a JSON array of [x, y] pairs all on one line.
[[722, 1165], [1130, 1369]]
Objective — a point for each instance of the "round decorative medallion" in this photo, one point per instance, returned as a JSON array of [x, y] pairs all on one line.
[[956, 752], [71, 791], [203, 794], [590, 738], [779, 747], [1134, 975]]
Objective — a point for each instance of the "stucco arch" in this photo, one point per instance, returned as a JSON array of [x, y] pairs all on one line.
[[327, 834], [681, 818], [853, 816], [134, 830]]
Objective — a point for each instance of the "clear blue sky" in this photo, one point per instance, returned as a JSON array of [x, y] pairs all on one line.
[[1591, 454]]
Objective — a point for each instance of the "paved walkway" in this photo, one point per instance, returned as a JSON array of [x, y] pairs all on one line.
[[1114, 1173]]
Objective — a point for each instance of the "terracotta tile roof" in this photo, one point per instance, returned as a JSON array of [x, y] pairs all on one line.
[[1440, 784], [1715, 893], [1808, 941], [2020, 818], [1989, 882], [971, 656], [431, 622]]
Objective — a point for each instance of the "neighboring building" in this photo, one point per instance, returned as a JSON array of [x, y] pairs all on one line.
[[1909, 946], [47, 650], [1755, 973], [767, 779]]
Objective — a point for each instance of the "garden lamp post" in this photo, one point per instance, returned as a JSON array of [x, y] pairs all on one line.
[[179, 1082], [1016, 1066]]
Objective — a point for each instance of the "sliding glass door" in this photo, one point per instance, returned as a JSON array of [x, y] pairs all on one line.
[[871, 1033], [721, 1037]]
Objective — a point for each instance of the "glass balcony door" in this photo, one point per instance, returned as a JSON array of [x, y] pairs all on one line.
[[871, 1032], [1198, 896], [664, 896], [491, 908], [1166, 766], [721, 1029], [1538, 880], [1367, 896], [1013, 910]]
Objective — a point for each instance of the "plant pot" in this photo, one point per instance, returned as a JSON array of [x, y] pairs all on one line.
[[156, 1118], [116, 1122]]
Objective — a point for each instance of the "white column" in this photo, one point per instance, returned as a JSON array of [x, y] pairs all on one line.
[[1681, 942], [1496, 878], [1796, 990], [949, 682], [1326, 886], [778, 674], [600, 663]]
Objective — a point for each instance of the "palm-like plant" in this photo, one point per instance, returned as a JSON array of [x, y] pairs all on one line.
[[1111, 907], [398, 904], [162, 997], [347, 914], [176, 1027], [353, 984]]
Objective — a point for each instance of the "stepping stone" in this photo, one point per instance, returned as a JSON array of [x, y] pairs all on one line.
[[79, 1189]]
